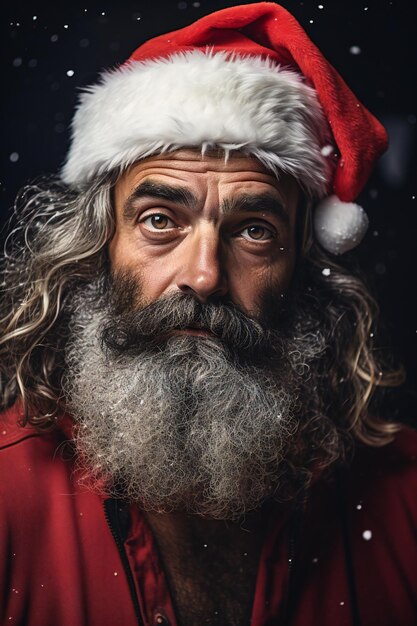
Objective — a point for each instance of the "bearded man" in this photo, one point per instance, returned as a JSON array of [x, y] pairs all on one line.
[[187, 367]]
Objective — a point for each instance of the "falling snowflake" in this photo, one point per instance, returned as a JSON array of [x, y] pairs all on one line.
[[355, 50], [326, 150], [367, 535]]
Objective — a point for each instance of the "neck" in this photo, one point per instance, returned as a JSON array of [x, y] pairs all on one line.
[[211, 565], [179, 534]]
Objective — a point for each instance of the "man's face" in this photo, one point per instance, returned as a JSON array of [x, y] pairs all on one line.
[[200, 226], [201, 248]]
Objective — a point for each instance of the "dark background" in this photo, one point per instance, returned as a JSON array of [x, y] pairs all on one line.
[[51, 50]]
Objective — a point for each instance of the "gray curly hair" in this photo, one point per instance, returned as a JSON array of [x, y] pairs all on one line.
[[60, 241]]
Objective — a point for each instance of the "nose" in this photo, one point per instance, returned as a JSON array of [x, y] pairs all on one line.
[[202, 272]]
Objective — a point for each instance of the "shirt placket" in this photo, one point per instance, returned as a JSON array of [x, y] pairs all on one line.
[[151, 583]]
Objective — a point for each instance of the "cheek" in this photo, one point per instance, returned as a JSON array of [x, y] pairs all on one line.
[[111, 251], [249, 283], [117, 248], [154, 273]]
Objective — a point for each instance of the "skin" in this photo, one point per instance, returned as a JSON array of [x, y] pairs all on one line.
[[202, 249], [207, 251]]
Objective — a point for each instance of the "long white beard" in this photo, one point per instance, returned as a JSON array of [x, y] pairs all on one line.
[[182, 429]]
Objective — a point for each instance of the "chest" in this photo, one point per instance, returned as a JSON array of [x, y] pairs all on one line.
[[82, 580], [216, 587]]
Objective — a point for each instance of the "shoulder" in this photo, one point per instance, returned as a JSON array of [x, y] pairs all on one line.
[[377, 490], [19, 441], [380, 482], [14, 434], [11, 429], [383, 481], [31, 461], [395, 462]]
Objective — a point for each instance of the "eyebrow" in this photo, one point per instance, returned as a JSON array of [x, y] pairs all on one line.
[[259, 203], [153, 189], [244, 203]]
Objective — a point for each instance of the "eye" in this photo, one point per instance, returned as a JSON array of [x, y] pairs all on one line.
[[157, 221], [257, 232]]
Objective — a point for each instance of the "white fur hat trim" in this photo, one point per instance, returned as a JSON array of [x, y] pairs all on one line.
[[201, 99], [339, 226]]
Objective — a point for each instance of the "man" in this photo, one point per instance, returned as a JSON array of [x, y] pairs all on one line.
[[186, 364]]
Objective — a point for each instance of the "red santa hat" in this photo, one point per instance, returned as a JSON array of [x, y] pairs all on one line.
[[249, 78]]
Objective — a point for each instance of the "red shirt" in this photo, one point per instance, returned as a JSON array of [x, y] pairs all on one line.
[[63, 564]]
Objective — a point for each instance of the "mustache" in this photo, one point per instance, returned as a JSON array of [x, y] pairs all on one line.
[[150, 327]]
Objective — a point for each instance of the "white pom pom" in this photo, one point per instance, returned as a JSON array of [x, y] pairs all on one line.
[[339, 226]]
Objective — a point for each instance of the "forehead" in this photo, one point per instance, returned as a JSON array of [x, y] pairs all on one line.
[[188, 167], [212, 159]]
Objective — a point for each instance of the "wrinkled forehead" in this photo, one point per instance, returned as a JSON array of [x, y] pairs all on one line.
[[200, 172], [201, 159]]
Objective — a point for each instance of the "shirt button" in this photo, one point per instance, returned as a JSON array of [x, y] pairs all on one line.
[[160, 619]]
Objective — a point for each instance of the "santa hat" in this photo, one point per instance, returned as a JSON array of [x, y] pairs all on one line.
[[249, 78]]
